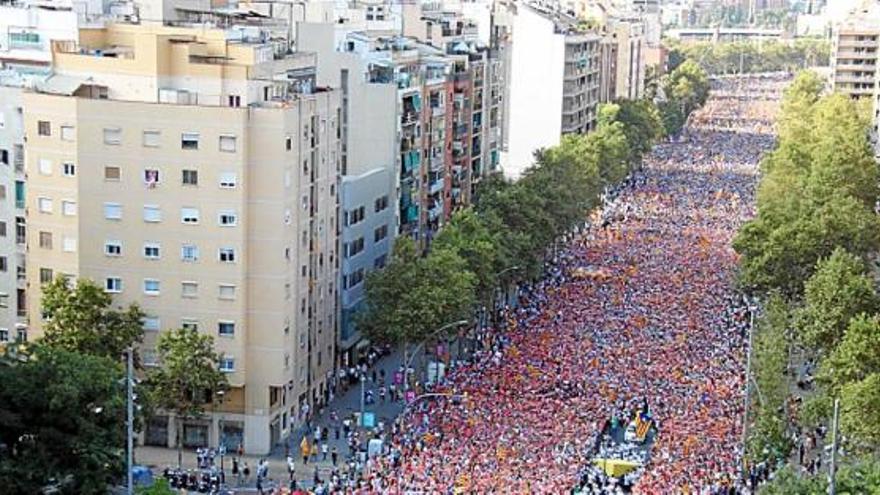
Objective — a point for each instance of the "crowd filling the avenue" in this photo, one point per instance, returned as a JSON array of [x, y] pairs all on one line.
[[636, 314], [635, 326]]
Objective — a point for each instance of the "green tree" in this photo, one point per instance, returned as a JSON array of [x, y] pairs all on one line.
[[469, 237], [80, 319], [768, 439], [856, 357], [839, 290], [61, 422], [188, 378], [860, 412], [642, 126], [414, 296]]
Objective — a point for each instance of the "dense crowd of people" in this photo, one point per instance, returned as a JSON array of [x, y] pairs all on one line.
[[638, 309]]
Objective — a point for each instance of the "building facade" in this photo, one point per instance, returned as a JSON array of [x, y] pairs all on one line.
[[554, 81], [854, 59], [195, 172]]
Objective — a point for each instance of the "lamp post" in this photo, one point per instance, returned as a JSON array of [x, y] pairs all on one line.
[[408, 361], [494, 303], [221, 446]]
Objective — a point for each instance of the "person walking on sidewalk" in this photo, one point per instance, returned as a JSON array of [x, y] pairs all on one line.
[[324, 451], [334, 456]]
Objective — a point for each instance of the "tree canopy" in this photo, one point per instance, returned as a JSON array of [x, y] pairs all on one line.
[[80, 318], [61, 422]]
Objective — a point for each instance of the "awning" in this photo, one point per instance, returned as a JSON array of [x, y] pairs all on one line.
[[62, 85]]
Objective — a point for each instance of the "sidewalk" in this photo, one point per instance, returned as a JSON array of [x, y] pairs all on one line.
[[158, 458]]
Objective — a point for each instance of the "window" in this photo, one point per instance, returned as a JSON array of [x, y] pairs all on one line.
[[228, 180], [45, 275], [152, 213], [227, 364], [226, 291], [189, 289], [379, 262], [152, 250], [380, 233], [151, 177], [352, 280], [190, 177], [227, 218], [190, 324], [189, 141], [234, 100], [151, 139], [113, 284], [4, 264], [4, 334], [150, 323], [226, 255], [45, 240], [189, 252], [4, 154], [69, 169], [68, 208], [354, 247], [112, 211], [112, 173], [112, 135], [381, 203], [227, 144], [2, 229], [355, 216], [45, 166], [288, 143], [226, 328], [67, 133], [189, 215], [44, 128], [2, 191], [4, 300], [68, 244], [44, 205], [113, 248], [22, 334], [151, 286]]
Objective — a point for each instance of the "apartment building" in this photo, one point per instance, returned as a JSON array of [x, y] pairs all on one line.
[[855, 44], [554, 81], [369, 169], [27, 29], [479, 71], [13, 295], [195, 171]]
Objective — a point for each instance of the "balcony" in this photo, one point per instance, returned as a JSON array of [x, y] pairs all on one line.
[[436, 186]]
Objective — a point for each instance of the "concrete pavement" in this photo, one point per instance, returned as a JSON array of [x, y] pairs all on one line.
[[344, 404]]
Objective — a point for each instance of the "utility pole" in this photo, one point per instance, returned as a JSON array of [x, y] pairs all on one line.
[[129, 421], [832, 469], [363, 380]]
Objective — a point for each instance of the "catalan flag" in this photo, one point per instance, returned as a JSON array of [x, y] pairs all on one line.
[[643, 425]]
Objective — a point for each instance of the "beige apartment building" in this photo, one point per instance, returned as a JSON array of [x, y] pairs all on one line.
[[195, 171]]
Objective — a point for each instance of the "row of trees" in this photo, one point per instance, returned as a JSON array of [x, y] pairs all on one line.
[[62, 403], [808, 253], [749, 57], [679, 93], [506, 235]]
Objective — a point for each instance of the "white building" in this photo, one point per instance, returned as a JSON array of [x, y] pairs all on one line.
[[549, 59], [369, 180]]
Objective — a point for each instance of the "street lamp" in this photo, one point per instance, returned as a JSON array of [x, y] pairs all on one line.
[[494, 309], [221, 445], [407, 362]]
